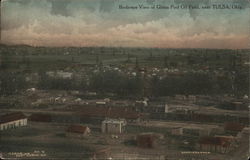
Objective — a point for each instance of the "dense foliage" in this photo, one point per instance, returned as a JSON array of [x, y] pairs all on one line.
[[11, 82]]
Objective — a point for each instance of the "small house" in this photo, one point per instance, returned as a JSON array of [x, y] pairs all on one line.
[[219, 144], [233, 127], [191, 98], [166, 108], [146, 140], [78, 131], [178, 131], [113, 126], [100, 103], [180, 97], [101, 154]]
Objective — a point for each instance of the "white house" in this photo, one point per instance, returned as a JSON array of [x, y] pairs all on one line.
[[166, 108], [12, 120], [60, 74], [113, 126]]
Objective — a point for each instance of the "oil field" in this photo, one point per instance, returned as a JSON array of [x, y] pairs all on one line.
[[124, 103]]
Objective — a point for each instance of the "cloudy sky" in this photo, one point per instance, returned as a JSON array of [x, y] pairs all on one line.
[[102, 23]]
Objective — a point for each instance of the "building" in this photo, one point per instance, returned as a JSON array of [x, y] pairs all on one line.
[[233, 127], [178, 131], [78, 131], [218, 144], [145, 140], [180, 97], [12, 120], [245, 131], [60, 74], [234, 105], [153, 108], [101, 154], [113, 126], [166, 107], [191, 98], [100, 103], [239, 106]]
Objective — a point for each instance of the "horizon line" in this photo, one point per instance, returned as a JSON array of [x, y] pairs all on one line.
[[132, 47]]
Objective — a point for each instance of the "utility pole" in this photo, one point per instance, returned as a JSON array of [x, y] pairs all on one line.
[[136, 63], [0, 35], [0, 22], [235, 68], [97, 59]]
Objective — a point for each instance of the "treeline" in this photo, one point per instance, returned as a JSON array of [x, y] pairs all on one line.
[[137, 85], [123, 85], [116, 82], [55, 83], [12, 82], [102, 82], [201, 84]]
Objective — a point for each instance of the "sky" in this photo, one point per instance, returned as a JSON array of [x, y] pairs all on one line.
[[85, 23]]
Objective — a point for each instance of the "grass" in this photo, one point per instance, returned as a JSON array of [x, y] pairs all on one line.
[[52, 149], [43, 138], [25, 131]]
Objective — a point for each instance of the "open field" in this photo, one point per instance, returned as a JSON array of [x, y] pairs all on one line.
[[48, 140]]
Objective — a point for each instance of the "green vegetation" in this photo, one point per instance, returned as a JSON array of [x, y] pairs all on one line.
[[115, 82], [194, 71], [11, 82]]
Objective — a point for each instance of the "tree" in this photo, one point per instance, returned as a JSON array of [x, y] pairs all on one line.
[[116, 82], [11, 82], [57, 83]]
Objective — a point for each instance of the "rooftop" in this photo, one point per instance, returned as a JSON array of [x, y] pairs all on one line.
[[77, 129], [218, 141], [114, 121], [232, 126], [12, 117]]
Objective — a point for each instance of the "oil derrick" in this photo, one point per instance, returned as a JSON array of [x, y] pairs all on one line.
[[0, 22], [147, 91], [113, 52], [0, 32], [97, 59], [205, 58], [128, 57], [99, 62], [0, 61], [166, 61], [136, 63], [151, 55], [27, 65], [235, 69]]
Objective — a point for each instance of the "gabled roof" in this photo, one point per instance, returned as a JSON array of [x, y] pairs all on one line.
[[77, 129], [145, 140], [12, 117], [232, 126], [218, 141]]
